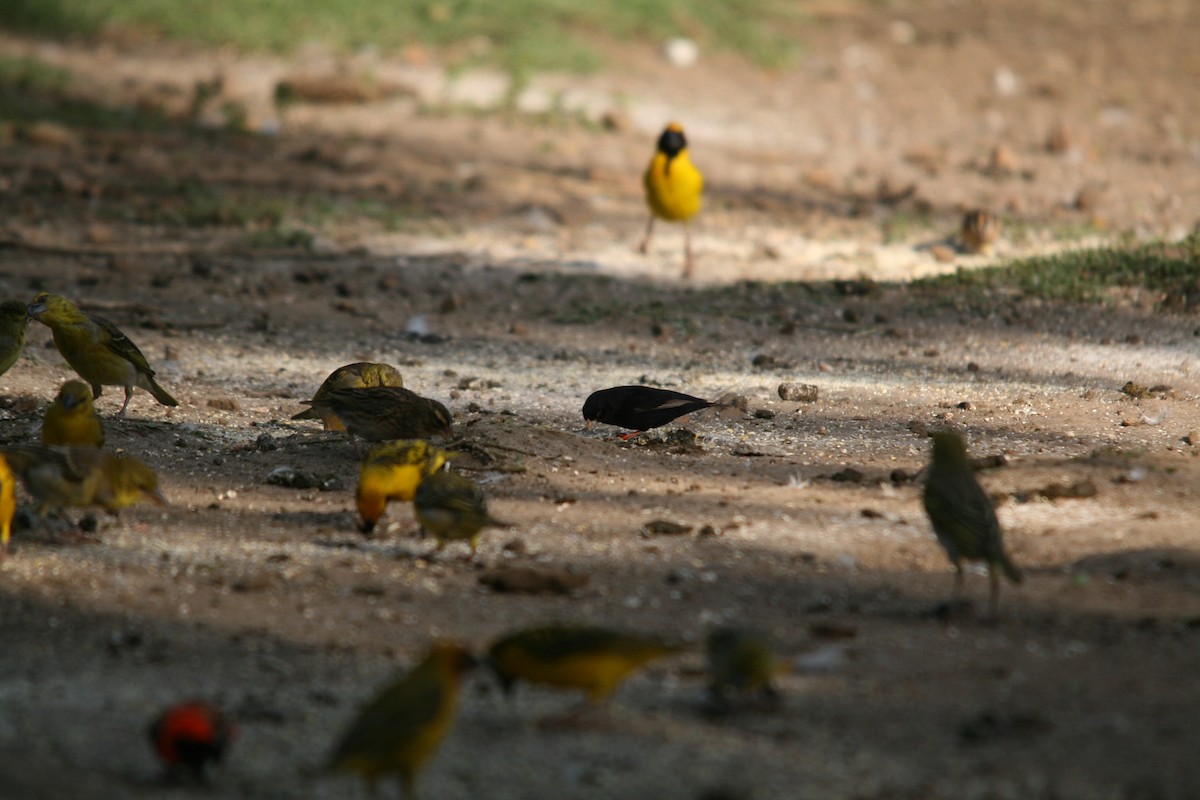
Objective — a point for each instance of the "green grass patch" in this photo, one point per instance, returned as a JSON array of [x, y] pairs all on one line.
[[519, 35], [1104, 275]]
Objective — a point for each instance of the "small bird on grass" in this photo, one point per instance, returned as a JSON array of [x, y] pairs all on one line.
[[8, 505], [639, 408], [14, 323], [392, 471], [398, 731], [360, 375], [741, 662], [78, 477], [382, 413], [594, 660], [673, 189], [453, 508], [72, 419], [190, 736], [963, 516], [97, 349], [980, 230]]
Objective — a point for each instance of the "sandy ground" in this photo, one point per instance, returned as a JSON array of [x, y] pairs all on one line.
[[511, 291]]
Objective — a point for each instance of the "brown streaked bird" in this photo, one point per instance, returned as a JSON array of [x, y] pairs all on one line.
[[639, 408], [401, 729], [592, 659], [360, 375], [674, 188], [980, 231], [97, 349], [453, 508], [72, 419], [963, 516], [382, 413], [14, 323], [78, 477], [392, 471]]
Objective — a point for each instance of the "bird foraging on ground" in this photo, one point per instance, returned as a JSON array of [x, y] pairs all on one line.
[[392, 471], [594, 660], [980, 230], [398, 731], [673, 189], [963, 516], [453, 508], [639, 408], [360, 375], [190, 736], [97, 349], [741, 662], [72, 418], [381, 413], [78, 477], [14, 323], [8, 505]]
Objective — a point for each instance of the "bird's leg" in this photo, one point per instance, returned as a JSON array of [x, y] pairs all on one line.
[[625, 437], [125, 405], [958, 581], [689, 264], [994, 596], [644, 246]]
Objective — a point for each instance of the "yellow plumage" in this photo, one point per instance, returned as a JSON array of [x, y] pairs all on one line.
[[392, 471], [452, 508], [398, 731], [72, 419], [78, 477], [741, 662], [674, 188], [8, 505], [14, 322], [352, 376], [97, 349], [594, 660]]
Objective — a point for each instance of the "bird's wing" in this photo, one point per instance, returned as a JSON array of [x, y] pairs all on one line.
[[119, 343]]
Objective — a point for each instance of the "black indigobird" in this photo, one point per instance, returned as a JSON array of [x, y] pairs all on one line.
[[639, 408]]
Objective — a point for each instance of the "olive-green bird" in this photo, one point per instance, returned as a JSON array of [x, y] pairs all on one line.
[[97, 349], [360, 375], [78, 477], [382, 413], [398, 731], [14, 322], [72, 419], [594, 660], [741, 662], [392, 471], [453, 508], [963, 516]]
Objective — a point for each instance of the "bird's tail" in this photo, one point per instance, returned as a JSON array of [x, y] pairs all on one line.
[[160, 394], [308, 413]]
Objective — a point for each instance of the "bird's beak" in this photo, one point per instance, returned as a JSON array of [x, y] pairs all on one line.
[[156, 497], [591, 423], [35, 309], [366, 526]]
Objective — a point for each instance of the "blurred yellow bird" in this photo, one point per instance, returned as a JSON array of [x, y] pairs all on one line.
[[674, 188], [14, 322], [360, 375], [453, 508], [398, 731], [78, 477], [72, 419], [97, 349], [741, 662], [594, 660], [8, 505], [392, 471]]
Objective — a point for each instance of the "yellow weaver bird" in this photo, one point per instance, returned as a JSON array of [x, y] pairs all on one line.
[[352, 376], [78, 477], [8, 505], [673, 189], [97, 349], [452, 507], [741, 662], [14, 322], [594, 660], [392, 471], [72, 419], [398, 731]]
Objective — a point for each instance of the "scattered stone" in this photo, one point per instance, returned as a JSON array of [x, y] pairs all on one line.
[[764, 413], [1059, 140], [943, 253], [919, 427], [798, 392], [901, 476], [871, 513], [1003, 161], [532, 580], [1192, 438], [966, 405], [681, 52], [847, 475], [765, 361], [292, 478], [664, 527], [707, 531], [223, 403], [265, 443]]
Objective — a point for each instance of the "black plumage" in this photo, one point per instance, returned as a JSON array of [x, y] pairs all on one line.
[[639, 408]]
